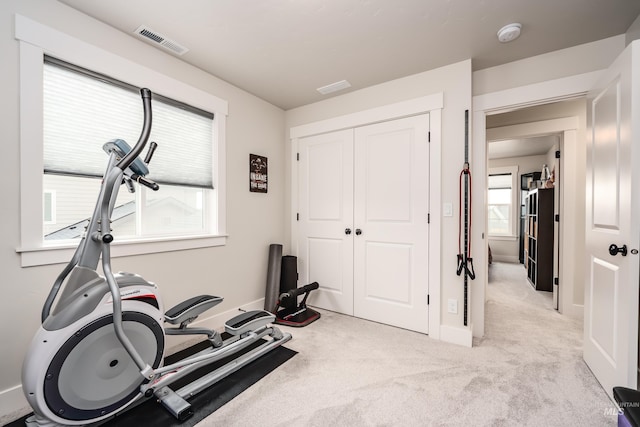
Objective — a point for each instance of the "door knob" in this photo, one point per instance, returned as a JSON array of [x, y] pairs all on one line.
[[358, 232], [614, 250], [347, 231]]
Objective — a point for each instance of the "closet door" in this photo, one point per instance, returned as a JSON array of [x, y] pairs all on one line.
[[325, 246], [391, 205]]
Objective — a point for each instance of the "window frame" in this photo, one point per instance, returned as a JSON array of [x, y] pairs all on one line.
[[35, 41], [513, 171]]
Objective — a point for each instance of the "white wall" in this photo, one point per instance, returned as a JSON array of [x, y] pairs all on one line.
[[455, 81], [633, 33], [506, 249], [236, 271], [549, 66]]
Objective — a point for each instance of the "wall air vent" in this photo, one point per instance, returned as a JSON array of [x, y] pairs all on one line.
[[158, 39]]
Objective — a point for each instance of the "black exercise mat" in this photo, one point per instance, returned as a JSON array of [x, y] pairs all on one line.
[[151, 413]]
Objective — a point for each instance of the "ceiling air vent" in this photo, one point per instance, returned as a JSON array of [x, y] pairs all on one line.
[[334, 87], [158, 39]]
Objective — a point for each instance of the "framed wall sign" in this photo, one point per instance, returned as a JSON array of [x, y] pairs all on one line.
[[257, 173]]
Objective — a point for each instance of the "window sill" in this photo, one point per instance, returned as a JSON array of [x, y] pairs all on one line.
[[31, 257], [506, 238]]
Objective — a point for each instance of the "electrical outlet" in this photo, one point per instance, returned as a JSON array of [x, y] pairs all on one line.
[[452, 306]]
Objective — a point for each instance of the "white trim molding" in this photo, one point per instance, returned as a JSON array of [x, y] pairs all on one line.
[[398, 110], [454, 335], [536, 94], [539, 128]]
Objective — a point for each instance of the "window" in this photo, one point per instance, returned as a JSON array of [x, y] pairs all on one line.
[[500, 197], [49, 207], [61, 160], [82, 111]]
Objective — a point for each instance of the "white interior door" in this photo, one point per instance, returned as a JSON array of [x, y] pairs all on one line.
[[391, 195], [611, 293], [325, 251]]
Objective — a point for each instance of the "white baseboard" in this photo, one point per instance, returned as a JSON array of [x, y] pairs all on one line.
[[459, 336], [575, 311], [13, 404], [514, 259]]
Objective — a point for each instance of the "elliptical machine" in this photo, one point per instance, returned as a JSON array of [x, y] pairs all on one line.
[[100, 351]]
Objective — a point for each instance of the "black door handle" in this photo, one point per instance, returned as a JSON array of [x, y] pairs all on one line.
[[614, 250], [358, 232], [347, 231]]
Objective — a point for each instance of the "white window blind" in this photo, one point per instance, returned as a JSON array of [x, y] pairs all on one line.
[[500, 181], [83, 110], [500, 204]]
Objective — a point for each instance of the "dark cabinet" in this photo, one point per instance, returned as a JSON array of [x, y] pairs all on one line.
[[525, 180], [538, 241]]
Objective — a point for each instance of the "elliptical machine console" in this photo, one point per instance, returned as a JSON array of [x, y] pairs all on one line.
[[100, 351]]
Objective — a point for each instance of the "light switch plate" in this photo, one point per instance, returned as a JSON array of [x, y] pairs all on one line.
[[447, 209]]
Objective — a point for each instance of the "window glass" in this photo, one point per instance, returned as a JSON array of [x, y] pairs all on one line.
[[49, 207], [175, 210], [81, 112], [499, 204]]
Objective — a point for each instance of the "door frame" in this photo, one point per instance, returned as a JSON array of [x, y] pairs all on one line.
[[547, 92], [431, 104]]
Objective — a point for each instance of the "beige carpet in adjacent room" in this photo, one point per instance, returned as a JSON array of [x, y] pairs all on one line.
[[526, 371]]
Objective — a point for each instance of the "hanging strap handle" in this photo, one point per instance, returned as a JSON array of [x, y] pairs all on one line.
[[468, 268], [465, 262], [460, 264], [460, 254]]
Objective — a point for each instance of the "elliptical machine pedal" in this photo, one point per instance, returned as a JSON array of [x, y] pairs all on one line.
[[248, 321], [189, 310]]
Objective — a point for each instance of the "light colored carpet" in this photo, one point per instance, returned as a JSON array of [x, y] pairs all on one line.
[[526, 371]]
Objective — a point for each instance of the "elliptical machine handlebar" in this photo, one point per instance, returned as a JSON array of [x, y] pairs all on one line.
[[144, 135], [146, 182], [292, 293], [123, 164]]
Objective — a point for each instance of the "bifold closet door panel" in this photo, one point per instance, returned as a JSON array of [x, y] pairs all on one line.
[[325, 248], [391, 206]]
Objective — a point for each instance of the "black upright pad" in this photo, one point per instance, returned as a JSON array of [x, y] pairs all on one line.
[[289, 279], [273, 277]]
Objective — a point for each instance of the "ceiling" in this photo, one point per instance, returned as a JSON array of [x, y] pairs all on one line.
[[282, 50], [521, 147]]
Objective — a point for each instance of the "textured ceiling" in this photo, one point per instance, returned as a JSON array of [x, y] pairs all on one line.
[[282, 50]]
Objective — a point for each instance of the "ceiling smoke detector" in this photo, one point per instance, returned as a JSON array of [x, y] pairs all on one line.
[[509, 33]]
